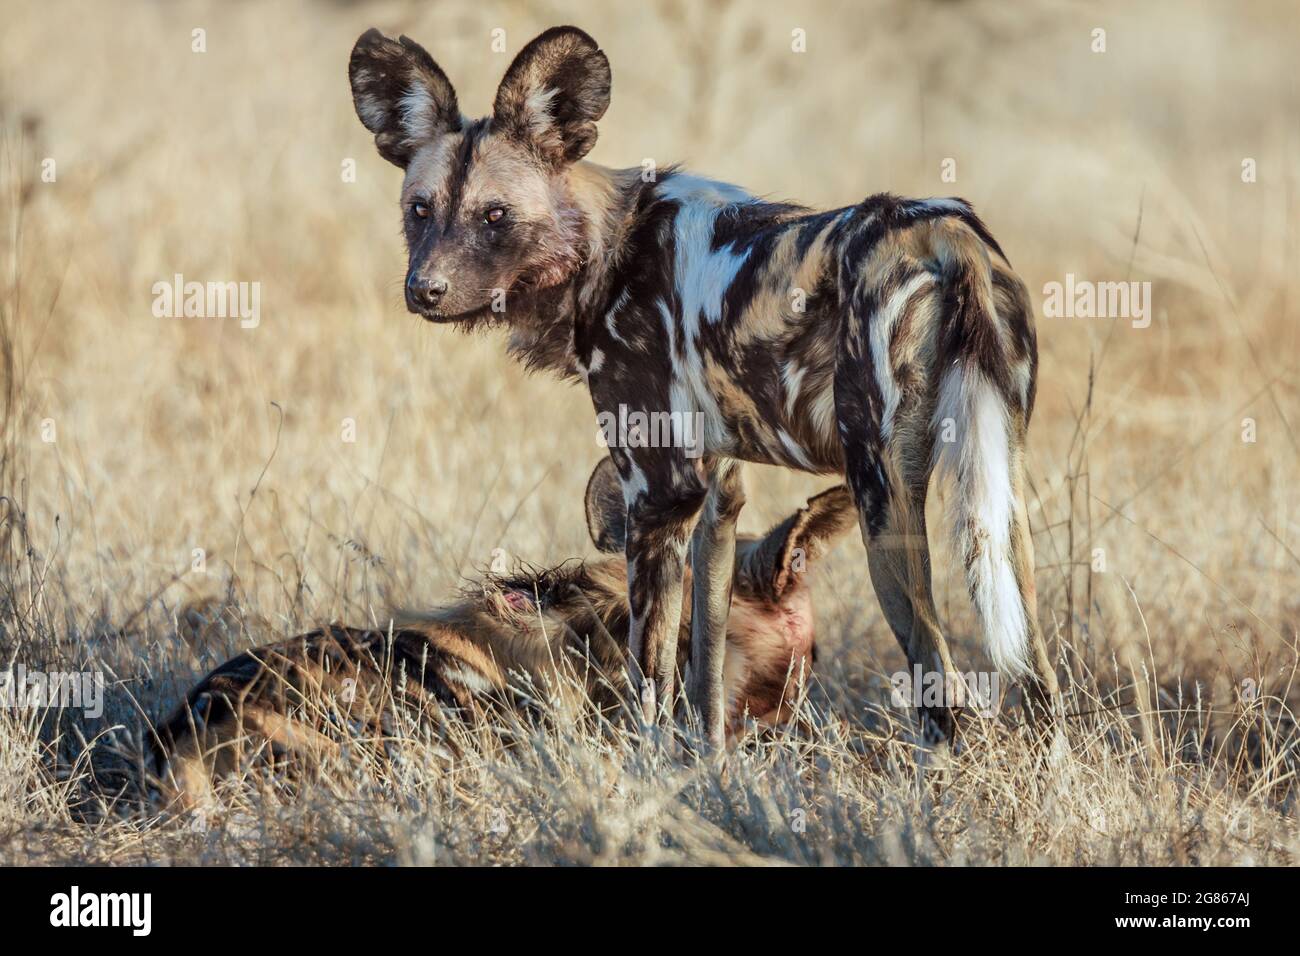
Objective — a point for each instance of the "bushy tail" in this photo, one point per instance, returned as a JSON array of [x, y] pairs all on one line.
[[973, 428]]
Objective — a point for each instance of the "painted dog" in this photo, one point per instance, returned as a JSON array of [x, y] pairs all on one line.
[[877, 342], [506, 642]]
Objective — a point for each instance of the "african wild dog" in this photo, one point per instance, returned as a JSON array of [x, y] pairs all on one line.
[[501, 644], [875, 341]]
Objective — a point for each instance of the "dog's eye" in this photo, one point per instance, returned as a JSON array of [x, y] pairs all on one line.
[[421, 209], [494, 215]]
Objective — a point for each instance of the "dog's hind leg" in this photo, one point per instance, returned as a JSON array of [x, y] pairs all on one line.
[[898, 556], [883, 414]]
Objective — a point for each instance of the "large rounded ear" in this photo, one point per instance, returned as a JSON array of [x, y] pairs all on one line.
[[606, 510], [401, 95], [770, 567], [553, 94]]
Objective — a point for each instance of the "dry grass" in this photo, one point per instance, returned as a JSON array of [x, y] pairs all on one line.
[[172, 435]]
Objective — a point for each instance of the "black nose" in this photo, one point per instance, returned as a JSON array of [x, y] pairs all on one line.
[[425, 292]]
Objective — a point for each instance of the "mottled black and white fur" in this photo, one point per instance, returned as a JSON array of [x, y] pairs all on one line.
[[876, 341]]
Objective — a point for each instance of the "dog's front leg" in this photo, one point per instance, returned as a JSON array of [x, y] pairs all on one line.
[[713, 560], [662, 510]]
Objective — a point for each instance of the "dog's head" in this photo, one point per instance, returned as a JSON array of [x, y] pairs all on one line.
[[486, 204]]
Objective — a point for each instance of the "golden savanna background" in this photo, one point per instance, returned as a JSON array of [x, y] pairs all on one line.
[[176, 490]]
